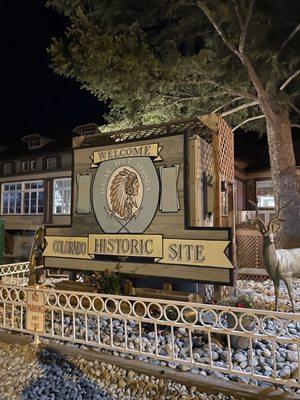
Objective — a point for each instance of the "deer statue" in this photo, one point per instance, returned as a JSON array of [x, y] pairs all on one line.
[[280, 264]]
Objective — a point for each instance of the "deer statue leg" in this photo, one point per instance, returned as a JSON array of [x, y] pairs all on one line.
[[289, 286], [276, 287]]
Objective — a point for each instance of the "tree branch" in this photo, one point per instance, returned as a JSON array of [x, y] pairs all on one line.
[[295, 108], [238, 108], [254, 78], [243, 25], [217, 27], [295, 125], [248, 120], [288, 39], [231, 92], [295, 74], [226, 104]]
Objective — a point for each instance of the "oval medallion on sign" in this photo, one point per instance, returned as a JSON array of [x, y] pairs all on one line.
[[125, 194]]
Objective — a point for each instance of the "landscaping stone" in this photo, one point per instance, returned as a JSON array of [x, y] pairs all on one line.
[[28, 373]]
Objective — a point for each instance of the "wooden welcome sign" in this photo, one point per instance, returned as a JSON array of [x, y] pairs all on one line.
[[133, 203]]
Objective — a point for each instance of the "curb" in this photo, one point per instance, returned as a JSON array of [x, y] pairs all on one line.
[[238, 390]]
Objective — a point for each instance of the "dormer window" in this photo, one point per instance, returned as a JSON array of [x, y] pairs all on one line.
[[34, 143]]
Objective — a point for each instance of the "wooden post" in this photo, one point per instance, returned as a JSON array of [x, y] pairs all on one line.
[[195, 204], [217, 191], [167, 287], [231, 217]]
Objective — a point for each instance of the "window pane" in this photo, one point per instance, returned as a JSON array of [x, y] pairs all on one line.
[[33, 165], [18, 202], [265, 195], [41, 198], [7, 169], [62, 196], [12, 203], [51, 163], [5, 199], [26, 203]]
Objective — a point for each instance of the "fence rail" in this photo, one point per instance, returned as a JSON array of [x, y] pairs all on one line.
[[14, 274], [253, 344]]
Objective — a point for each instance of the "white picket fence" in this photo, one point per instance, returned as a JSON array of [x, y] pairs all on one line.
[[224, 339], [14, 274]]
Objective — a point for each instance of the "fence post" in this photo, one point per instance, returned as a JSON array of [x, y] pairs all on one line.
[[36, 340]]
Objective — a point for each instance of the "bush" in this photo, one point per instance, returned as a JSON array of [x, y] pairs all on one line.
[[107, 282], [241, 300]]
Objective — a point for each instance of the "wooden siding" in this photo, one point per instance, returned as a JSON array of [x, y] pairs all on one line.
[[204, 274]]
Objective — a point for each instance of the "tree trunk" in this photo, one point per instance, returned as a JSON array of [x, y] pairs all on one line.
[[285, 182]]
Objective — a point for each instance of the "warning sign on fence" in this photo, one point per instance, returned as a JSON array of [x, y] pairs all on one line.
[[35, 316]]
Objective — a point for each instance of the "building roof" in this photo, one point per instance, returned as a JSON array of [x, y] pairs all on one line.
[[20, 149], [194, 125]]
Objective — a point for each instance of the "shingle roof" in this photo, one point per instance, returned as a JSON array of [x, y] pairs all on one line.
[[193, 125]]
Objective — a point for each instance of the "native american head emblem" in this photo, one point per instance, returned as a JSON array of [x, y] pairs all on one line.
[[123, 192]]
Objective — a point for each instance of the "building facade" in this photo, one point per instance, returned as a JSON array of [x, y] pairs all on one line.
[[253, 181], [35, 185]]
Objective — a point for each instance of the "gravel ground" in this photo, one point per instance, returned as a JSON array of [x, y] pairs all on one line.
[[29, 373], [263, 293]]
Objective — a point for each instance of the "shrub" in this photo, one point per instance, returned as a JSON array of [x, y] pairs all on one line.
[[107, 281], [242, 300]]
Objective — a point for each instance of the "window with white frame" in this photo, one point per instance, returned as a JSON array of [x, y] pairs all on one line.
[[34, 143], [33, 165], [22, 198], [25, 166], [265, 194], [51, 162], [7, 168], [62, 196]]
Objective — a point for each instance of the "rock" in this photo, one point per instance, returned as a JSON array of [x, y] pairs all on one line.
[[239, 357], [292, 347], [292, 356], [266, 353], [285, 372], [121, 384]]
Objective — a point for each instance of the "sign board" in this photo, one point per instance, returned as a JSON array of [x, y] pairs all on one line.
[[165, 251], [35, 315], [130, 208]]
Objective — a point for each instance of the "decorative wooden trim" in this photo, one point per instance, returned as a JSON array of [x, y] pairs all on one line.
[[217, 200], [195, 203]]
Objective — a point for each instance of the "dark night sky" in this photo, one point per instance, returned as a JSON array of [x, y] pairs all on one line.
[[36, 100], [33, 98]]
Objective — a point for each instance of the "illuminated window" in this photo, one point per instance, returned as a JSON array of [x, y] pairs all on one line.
[[23, 197], [265, 194], [62, 196]]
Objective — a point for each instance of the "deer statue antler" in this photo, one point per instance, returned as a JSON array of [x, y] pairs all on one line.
[[257, 221], [275, 225]]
